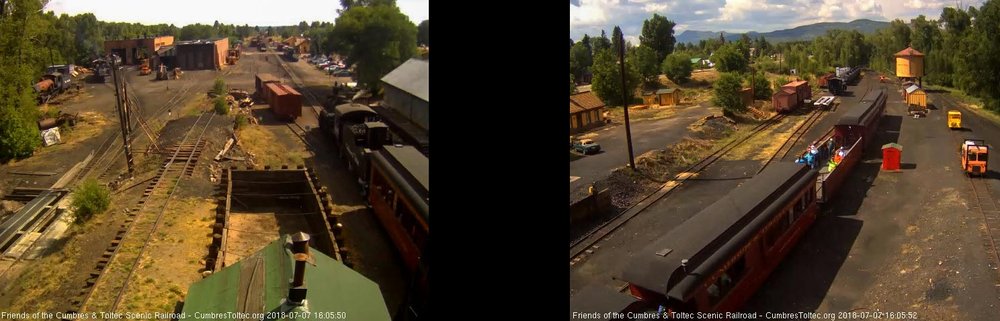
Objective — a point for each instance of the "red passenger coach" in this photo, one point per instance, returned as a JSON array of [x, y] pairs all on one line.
[[861, 121], [716, 260], [399, 197]]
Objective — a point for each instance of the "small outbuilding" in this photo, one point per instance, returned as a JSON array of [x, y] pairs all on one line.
[[649, 98], [891, 154], [669, 96], [916, 96]]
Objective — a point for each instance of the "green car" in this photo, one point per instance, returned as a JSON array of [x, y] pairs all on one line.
[[586, 146]]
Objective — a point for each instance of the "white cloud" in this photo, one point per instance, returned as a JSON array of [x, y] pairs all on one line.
[[735, 9], [655, 7], [589, 13]]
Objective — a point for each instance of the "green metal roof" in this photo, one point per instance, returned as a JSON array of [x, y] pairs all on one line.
[[259, 283], [695, 60]]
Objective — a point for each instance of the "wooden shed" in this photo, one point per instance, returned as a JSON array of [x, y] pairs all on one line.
[[916, 96], [649, 98], [669, 96]]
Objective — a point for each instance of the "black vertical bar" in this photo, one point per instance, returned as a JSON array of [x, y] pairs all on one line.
[[628, 128]]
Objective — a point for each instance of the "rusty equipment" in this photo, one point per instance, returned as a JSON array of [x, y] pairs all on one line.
[[177, 73], [144, 67], [233, 56], [161, 74]]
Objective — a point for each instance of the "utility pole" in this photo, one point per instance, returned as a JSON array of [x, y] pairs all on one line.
[[628, 128], [123, 115], [753, 75]]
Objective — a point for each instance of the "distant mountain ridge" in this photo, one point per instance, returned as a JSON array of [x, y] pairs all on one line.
[[806, 32]]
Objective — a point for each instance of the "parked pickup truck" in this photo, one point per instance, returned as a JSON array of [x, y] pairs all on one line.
[[586, 146]]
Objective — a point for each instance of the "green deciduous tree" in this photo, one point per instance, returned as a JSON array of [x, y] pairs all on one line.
[[424, 33], [607, 83], [761, 86], [729, 59], [376, 38], [600, 43], [197, 31], [658, 34], [580, 60], [645, 61], [727, 93], [22, 34], [677, 67]]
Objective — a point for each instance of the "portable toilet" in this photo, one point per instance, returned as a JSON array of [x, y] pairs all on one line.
[[891, 153]]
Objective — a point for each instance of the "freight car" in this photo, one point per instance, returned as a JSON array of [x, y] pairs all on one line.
[[790, 96], [260, 81], [836, 154], [716, 260], [844, 76], [285, 102], [823, 80]]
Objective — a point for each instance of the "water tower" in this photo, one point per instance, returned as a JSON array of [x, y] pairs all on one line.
[[910, 65]]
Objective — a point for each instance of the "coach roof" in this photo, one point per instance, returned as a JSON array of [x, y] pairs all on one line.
[[709, 235]]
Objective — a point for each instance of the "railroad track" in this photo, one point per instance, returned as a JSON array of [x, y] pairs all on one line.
[[109, 281], [981, 191], [788, 144], [112, 146], [587, 241]]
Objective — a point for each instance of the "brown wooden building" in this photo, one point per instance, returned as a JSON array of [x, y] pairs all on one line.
[[669, 96], [585, 112], [130, 50], [201, 54]]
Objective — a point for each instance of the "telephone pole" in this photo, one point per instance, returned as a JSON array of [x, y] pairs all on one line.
[[628, 129], [121, 101]]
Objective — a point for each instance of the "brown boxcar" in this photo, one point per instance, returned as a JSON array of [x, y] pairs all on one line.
[[285, 101], [784, 100], [791, 96], [261, 80]]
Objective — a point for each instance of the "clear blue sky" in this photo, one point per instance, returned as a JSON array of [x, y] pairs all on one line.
[[239, 12]]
